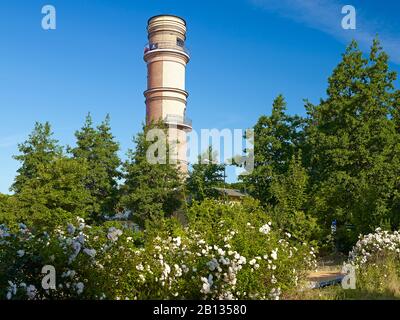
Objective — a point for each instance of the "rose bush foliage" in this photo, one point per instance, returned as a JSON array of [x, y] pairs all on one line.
[[376, 258], [225, 252]]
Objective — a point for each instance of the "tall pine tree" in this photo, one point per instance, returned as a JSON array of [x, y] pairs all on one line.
[[98, 148], [151, 190], [39, 150]]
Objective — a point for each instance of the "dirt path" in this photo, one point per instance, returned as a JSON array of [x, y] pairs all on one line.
[[328, 273]]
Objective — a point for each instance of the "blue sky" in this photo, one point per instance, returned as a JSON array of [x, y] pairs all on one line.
[[243, 52]]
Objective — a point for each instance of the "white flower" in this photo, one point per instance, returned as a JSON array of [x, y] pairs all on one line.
[[178, 241], [139, 267], [166, 271], [265, 229], [242, 260], [178, 270], [20, 253], [274, 254], [221, 252], [275, 293], [207, 283]]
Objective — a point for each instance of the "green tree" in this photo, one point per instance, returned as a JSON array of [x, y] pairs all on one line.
[[100, 151], [290, 191], [40, 149], [205, 177], [151, 190], [353, 144], [7, 209], [58, 194], [276, 139], [3, 201]]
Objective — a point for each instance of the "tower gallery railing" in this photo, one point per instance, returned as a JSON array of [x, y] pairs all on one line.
[[178, 120], [166, 45]]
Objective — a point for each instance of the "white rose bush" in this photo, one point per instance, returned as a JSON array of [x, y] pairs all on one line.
[[225, 252], [376, 259]]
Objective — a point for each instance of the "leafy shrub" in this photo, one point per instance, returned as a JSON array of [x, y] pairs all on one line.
[[256, 238], [376, 257], [236, 254]]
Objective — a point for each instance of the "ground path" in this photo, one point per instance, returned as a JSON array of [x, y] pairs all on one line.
[[328, 273]]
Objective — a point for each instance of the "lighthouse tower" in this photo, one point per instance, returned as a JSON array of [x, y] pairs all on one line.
[[166, 57]]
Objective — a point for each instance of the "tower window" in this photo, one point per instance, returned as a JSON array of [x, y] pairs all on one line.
[[180, 42]]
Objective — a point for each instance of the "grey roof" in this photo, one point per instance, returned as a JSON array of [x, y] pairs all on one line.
[[231, 192]]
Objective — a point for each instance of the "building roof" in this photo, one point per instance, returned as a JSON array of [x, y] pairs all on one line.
[[231, 192]]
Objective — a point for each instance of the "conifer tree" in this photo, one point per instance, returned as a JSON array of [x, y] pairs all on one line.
[[49, 187], [151, 190], [39, 150], [205, 177], [100, 151]]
